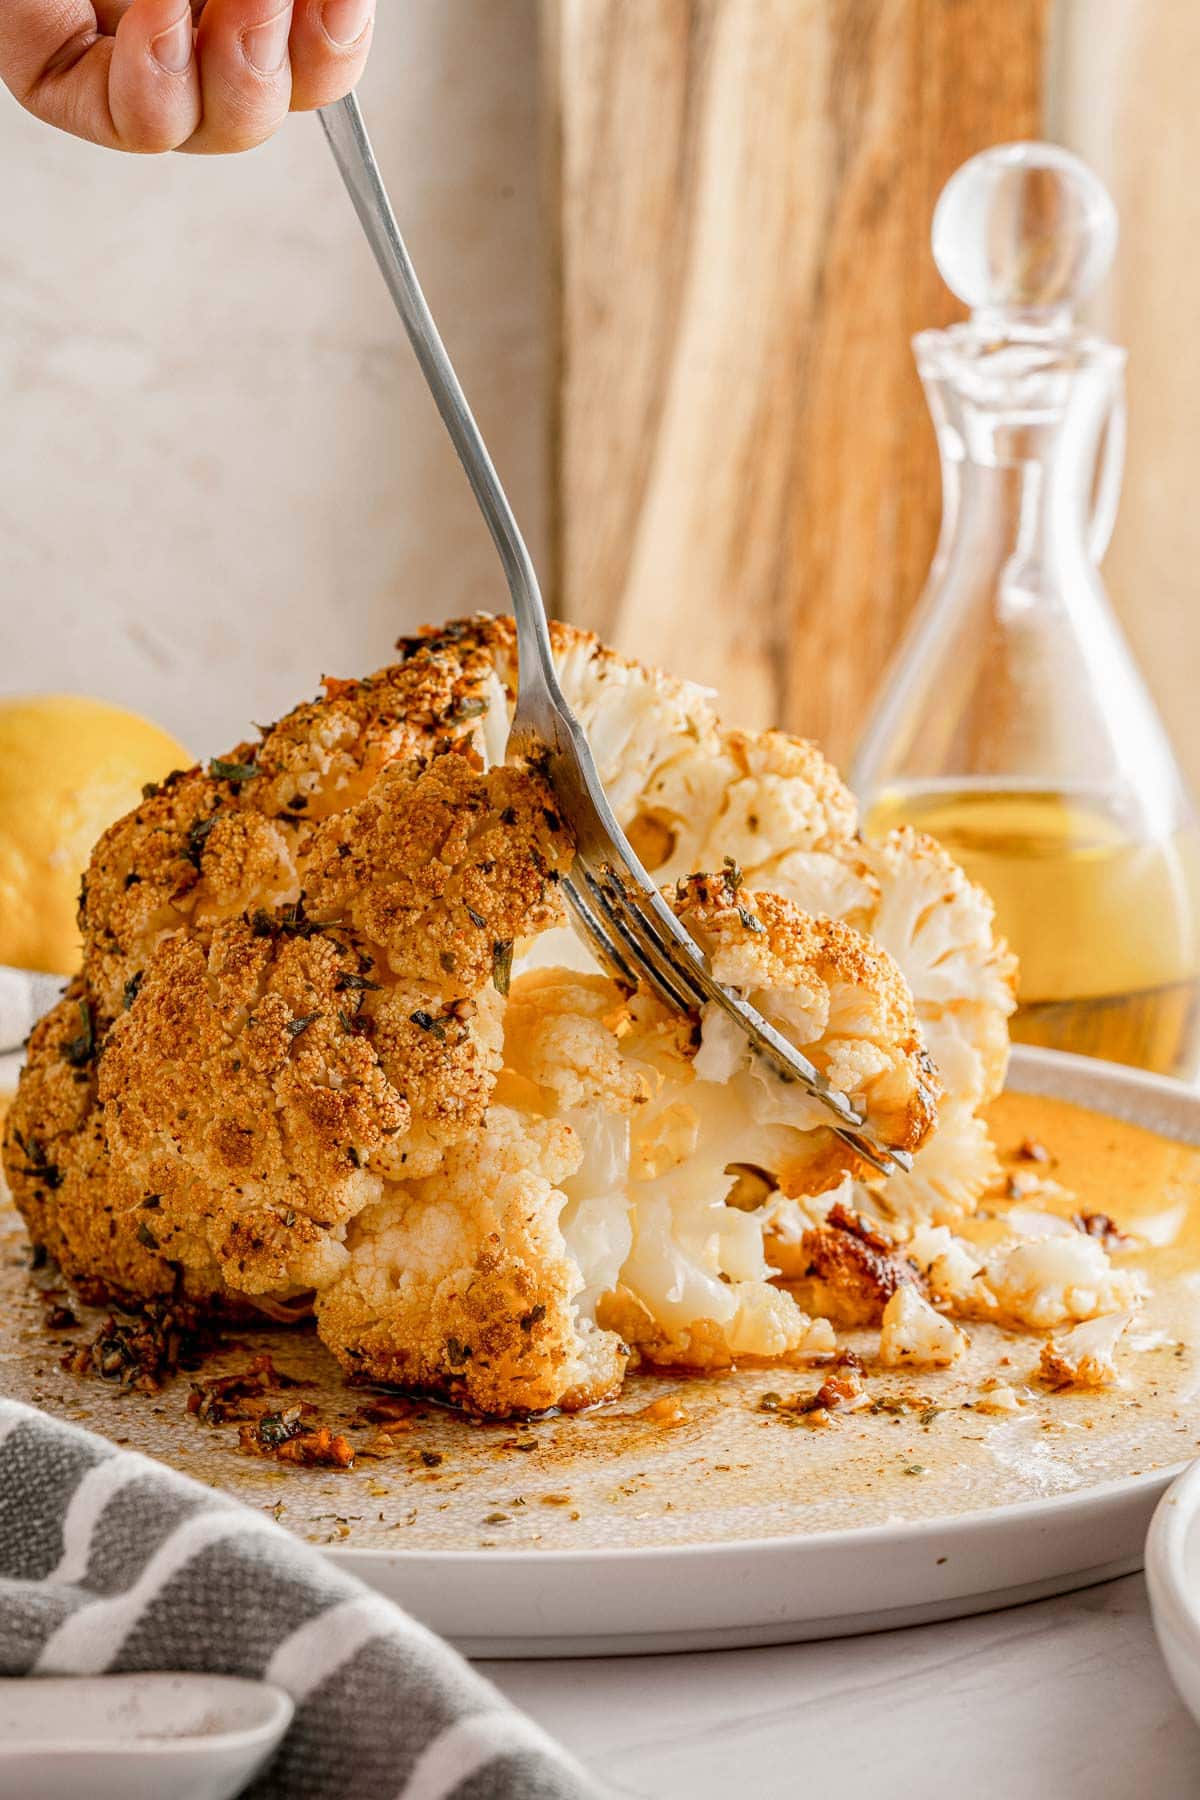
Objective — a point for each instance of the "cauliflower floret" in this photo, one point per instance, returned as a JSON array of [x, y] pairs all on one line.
[[1040, 1283], [937, 924], [844, 1270], [639, 721], [950, 1266], [909, 896], [443, 871], [1045, 1274], [237, 1102], [562, 1031], [462, 1282], [951, 1170], [915, 1336], [1083, 1356], [784, 798], [827, 990]]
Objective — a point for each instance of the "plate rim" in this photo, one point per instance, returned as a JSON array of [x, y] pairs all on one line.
[[901, 1534]]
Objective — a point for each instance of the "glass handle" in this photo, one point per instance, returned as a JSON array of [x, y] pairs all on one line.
[[1106, 494]]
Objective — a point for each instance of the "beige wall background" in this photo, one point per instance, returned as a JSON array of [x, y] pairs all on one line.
[[220, 475]]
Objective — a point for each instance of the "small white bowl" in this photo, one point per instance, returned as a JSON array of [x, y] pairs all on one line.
[[136, 1737], [1173, 1578]]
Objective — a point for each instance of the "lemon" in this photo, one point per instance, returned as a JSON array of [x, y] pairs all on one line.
[[69, 766]]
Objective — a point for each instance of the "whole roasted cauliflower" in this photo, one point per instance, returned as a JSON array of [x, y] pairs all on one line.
[[334, 1051]]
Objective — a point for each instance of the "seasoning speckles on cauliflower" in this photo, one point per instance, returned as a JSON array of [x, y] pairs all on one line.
[[915, 1336], [310, 1064], [1048, 1276], [1084, 1356]]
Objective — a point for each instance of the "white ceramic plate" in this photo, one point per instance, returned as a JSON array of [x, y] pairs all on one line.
[[784, 1589], [607, 1532], [136, 1737], [1173, 1578]]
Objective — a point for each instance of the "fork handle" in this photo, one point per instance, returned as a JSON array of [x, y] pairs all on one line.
[[346, 131]]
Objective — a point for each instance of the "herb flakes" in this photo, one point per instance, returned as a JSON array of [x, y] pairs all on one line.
[[236, 772], [80, 1050], [348, 982], [502, 959]]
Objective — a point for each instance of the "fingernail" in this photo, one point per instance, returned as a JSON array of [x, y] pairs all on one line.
[[344, 21], [172, 48], [265, 46]]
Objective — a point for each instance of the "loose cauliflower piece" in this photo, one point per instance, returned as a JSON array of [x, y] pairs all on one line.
[[1040, 1283], [949, 1266], [914, 1336], [1083, 1357]]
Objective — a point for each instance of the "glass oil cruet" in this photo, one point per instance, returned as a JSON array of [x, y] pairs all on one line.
[[1014, 725]]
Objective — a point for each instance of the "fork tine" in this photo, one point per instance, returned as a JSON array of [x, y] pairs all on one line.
[[706, 990], [788, 1061], [601, 943], [657, 969]]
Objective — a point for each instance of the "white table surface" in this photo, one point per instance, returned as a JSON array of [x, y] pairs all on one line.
[[1065, 1699]]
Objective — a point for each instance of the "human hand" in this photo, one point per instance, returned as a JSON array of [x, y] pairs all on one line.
[[200, 75]]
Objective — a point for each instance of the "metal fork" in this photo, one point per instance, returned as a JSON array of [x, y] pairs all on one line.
[[615, 903]]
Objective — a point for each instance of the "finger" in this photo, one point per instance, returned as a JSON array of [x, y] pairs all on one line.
[[331, 40], [154, 82], [136, 91], [245, 73]]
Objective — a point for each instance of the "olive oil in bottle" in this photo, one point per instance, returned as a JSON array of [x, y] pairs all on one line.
[[1015, 726], [1106, 927]]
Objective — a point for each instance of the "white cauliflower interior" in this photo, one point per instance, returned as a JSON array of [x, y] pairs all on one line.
[[915, 1336]]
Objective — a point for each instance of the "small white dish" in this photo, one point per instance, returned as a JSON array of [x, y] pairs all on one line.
[[136, 1737], [1173, 1578]]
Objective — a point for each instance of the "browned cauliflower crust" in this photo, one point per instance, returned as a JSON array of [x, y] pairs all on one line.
[[462, 1283], [240, 1090], [333, 1050], [264, 1073]]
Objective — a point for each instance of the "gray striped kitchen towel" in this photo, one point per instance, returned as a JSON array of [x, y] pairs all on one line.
[[110, 1562]]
